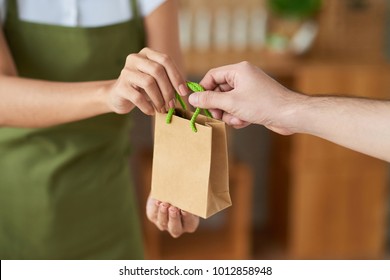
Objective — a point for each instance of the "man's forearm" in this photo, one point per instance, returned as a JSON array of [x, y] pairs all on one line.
[[359, 124]]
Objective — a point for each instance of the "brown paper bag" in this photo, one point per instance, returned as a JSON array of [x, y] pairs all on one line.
[[190, 169]]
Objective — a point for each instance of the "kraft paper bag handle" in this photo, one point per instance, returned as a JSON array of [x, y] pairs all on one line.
[[195, 87]]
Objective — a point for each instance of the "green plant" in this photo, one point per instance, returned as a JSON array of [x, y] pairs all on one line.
[[295, 8]]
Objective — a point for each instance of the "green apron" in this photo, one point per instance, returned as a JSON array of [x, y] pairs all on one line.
[[65, 191]]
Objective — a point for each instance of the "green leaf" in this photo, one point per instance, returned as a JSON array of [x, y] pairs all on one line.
[[295, 8]]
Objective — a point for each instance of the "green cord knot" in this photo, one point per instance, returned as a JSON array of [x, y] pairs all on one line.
[[195, 87]]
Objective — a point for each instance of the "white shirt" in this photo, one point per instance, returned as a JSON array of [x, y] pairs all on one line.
[[82, 13]]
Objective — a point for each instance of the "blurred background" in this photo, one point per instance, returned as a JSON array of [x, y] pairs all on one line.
[[294, 197]]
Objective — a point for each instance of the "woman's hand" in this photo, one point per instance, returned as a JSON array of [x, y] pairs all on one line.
[[170, 218], [148, 81]]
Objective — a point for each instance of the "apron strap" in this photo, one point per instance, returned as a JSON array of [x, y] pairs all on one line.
[[135, 9], [138, 19], [12, 8]]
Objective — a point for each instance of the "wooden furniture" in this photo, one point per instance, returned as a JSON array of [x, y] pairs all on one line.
[[338, 197]]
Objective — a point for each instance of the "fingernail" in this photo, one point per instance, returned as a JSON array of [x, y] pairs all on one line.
[[172, 212], [163, 110], [163, 208], [183, 90], [193, 99], [183, 212], [172, 103]]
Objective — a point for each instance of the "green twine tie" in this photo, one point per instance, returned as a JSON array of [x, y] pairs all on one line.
[[195, 87]]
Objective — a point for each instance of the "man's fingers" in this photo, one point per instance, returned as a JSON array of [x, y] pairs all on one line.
[[234, 121], [216, 113], [217, 77]]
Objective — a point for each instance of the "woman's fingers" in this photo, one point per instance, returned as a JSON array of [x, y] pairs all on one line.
[[175, 226], [153, 79], [190, 222], [149, 81], [169, 218], [176, 79], [148, 92], [136, 95], [152, 206], [162, 216]]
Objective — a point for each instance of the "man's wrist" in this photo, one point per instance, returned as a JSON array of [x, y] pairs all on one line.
[[293, 112]]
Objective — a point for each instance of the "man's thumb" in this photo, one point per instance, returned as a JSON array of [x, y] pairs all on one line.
[[207, 100]]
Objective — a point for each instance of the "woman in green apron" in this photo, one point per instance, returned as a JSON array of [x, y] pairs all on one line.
[[65, 189]]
